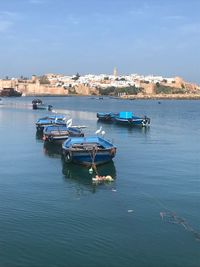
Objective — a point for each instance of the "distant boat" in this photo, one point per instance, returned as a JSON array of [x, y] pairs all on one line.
[[124, 117], [127, 118], [59, 133], [50, 120], [106, 116], [10, 92], [88, 150], [115, 97], [37, 104]]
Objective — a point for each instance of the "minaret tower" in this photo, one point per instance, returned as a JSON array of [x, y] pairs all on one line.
[[115, 72]]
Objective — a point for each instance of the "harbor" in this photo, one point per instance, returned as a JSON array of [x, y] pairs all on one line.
[[54, 214]]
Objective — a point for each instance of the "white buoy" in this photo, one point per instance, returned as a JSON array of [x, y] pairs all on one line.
[[91, 170], [98, 131], [103, 133]]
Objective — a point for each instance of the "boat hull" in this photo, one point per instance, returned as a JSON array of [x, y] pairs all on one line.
[[86, 158], [55, 140], [133, 122], [9, 92], [106, 117], [42, 107], [59, 139]]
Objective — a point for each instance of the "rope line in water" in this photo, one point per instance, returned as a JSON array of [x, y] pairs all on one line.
[[170, 216]]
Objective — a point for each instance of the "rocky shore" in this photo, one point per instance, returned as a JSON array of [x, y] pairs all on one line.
[[163, 96]]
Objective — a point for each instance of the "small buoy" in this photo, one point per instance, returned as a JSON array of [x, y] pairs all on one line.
[[91, 170], [98, 178], [130, 211]]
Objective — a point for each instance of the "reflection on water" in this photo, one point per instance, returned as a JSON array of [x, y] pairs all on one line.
[[80, 175], [39, 136], [52, 150]]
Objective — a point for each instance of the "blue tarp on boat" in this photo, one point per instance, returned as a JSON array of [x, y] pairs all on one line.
[[125, 115], [93, 140]]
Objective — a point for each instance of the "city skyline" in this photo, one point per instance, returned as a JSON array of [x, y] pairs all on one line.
[[147, 37]]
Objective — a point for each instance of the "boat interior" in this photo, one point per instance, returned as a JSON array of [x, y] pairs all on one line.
[[87, 146]]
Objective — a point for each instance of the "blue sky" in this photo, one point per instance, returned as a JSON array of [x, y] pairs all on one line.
[[94, 36]]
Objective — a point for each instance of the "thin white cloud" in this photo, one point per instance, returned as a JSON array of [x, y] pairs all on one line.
[[37, 2], [173, 17], [136, 12], [144, 9], [5, 25], [191, 28], [8, 14], [6, 20], [73, 20]]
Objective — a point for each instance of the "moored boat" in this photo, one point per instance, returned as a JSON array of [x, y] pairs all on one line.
[[88, 151], [37, 104], [127, 118], [124, 117], [50, 120], [106, 116], [10, 92], [59, 133]]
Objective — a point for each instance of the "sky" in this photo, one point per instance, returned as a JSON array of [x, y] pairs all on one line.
[[93, 36]]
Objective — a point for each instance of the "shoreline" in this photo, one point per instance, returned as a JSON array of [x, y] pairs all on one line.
[[163, 97], [127, 97]]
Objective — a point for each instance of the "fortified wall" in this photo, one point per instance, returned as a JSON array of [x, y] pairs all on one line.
[[33, 88]]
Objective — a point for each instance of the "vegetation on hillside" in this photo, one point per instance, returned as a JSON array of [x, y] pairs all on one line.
[[129, 90], [44, 80], [72, 90], [162, 89]]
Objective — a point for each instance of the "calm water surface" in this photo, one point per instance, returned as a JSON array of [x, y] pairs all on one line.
[[52, 215]]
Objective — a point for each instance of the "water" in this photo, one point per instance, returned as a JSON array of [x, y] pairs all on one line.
[[52, 215]]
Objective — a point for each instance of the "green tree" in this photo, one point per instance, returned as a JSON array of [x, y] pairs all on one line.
[[44, 80]]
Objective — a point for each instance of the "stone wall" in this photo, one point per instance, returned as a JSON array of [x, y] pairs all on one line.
[[33, 88], [149, 88], [7, 84], [85, 90]]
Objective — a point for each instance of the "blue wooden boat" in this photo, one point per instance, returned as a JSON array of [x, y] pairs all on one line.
[[124, 117], [127, 118], [106, 116], [58, 133], [88, 150], [50, 120]]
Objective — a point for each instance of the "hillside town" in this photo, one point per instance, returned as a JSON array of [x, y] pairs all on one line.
[[125, 86]]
